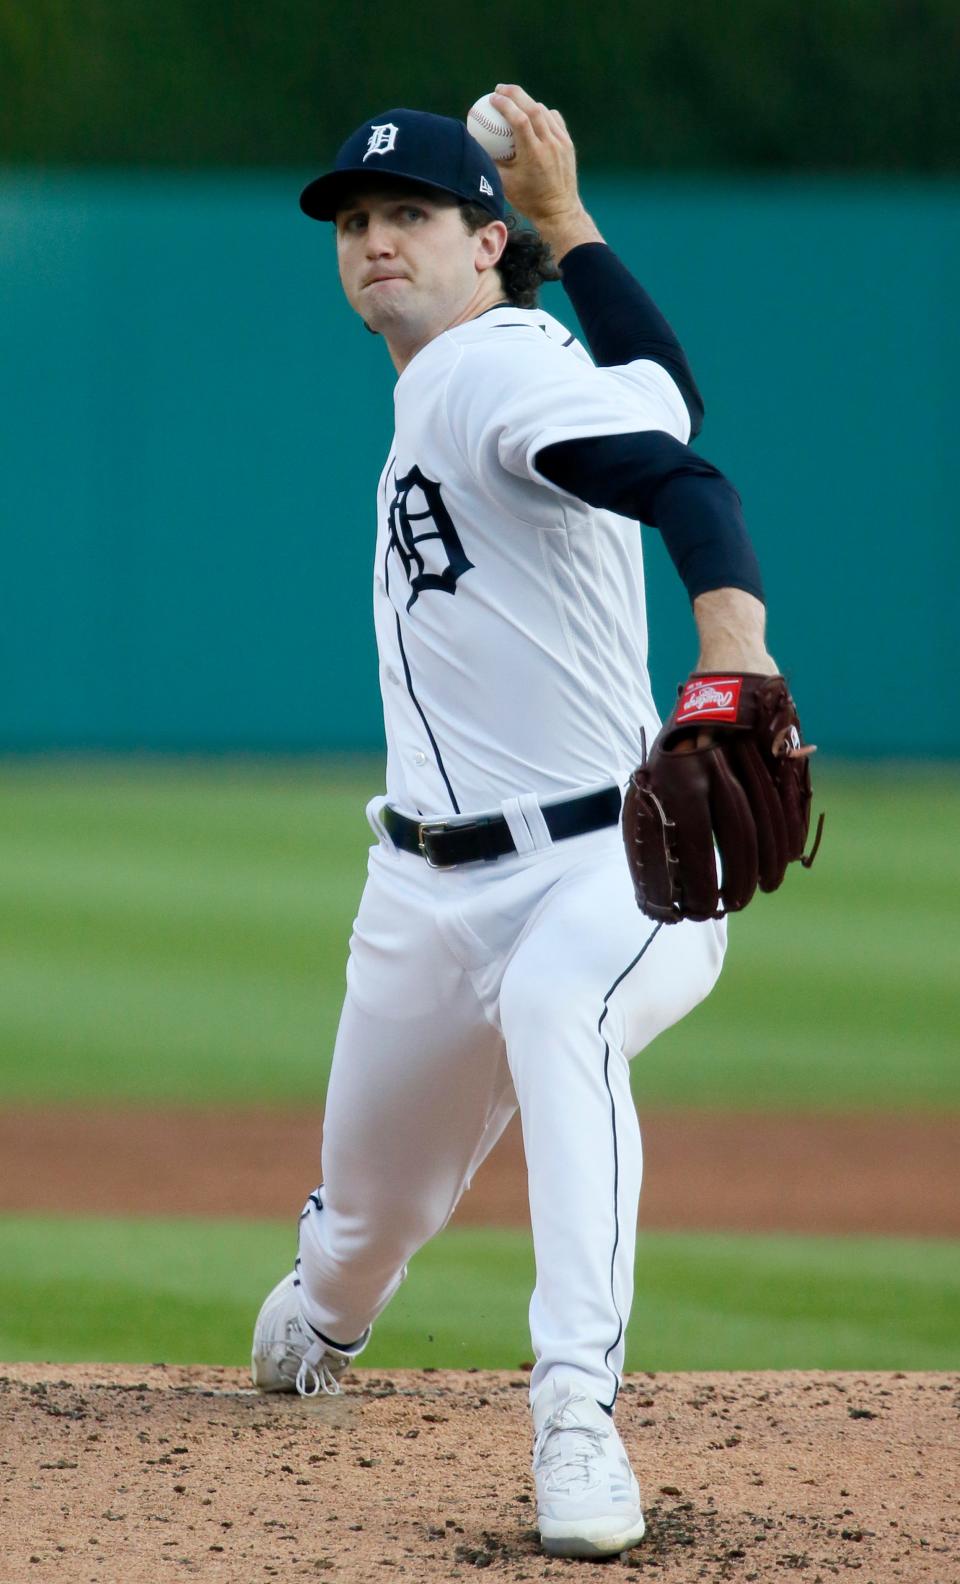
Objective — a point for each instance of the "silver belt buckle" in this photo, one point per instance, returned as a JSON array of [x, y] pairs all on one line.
[[430, 828]]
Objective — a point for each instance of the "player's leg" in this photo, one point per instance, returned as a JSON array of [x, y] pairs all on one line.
[[591, 984], [419, 1091], [408, 1106]]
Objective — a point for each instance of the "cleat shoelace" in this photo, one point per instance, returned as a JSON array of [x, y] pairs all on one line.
[[571, 1461], [313, 1376], [306, 1367]]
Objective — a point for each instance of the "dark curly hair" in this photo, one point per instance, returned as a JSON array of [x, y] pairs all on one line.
[[526, 261]]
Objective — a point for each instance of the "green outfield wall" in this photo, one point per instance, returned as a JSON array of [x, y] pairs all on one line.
[[829, 85], [193, 425]]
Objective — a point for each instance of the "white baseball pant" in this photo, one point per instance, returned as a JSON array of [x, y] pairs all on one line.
[[526, 982]]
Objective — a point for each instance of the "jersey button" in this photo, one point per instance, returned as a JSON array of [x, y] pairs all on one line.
[[419, 759], [392, 675]]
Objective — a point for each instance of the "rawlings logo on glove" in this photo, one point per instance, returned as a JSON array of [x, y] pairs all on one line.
[[714, 700], [727, 776]]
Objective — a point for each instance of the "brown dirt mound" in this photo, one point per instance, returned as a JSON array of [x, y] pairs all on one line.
[[704, 1170], [140, 1474]]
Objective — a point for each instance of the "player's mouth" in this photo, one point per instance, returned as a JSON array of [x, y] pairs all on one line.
[[379, 280]]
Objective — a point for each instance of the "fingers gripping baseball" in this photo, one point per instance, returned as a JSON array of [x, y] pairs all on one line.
[[534, 121], [541, 181]]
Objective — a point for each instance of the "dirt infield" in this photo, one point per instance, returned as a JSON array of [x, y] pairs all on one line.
[[139, 1473], [704, 1170], [136, 1474]]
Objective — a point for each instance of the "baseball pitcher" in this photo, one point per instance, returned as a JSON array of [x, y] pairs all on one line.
[[548, 886]]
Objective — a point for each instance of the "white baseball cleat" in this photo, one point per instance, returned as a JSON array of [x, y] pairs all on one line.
[[588, 1500], [287, 1356]]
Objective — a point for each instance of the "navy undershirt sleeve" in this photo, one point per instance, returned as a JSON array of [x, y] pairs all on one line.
[[621, 322], [652, 477]]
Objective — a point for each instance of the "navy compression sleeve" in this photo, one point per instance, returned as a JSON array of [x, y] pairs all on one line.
[[652, 477], [621, 322]]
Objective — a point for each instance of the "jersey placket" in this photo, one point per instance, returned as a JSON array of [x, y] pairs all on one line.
[[411, 739]]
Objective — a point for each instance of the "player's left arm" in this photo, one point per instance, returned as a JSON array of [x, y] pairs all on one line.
[[729, 770], [651, 476], [654, 478], [620, 320]]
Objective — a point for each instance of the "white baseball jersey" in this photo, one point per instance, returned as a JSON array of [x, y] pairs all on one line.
[[509, 615]]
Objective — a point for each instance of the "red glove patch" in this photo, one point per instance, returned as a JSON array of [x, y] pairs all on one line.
[[708, 698]]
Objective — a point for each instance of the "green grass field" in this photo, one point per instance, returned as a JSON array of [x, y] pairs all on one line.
[[152, 1291], [178, 933]]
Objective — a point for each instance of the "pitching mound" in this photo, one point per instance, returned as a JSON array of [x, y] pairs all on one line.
[[140, 1474]]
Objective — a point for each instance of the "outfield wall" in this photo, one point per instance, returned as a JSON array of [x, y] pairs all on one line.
[[193, 425]]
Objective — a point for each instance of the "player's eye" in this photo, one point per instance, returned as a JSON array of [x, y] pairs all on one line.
[[354, 222], [413, 212]]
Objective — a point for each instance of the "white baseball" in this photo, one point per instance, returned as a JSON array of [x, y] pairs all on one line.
[[491, 131]]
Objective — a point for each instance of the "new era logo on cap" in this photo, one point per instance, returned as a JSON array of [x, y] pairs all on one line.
[[485, 186]]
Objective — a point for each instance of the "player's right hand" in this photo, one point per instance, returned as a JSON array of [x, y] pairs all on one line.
[[541, 180]]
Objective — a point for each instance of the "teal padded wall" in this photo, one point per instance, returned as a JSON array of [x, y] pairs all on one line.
[[193, 424]]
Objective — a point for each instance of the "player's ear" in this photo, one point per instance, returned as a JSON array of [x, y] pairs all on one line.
[[492, 239]]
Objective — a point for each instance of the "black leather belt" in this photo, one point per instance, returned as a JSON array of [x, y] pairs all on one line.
[[485, 837]]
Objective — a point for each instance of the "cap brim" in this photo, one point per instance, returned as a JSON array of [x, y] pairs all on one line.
[[322, 198]]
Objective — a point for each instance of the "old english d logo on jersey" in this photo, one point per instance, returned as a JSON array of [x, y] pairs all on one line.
[[433, 558]]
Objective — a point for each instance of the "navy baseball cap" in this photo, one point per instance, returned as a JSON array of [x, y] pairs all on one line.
[[411, 145]]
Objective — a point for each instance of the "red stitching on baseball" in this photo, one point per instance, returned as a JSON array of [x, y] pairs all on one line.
[[503, 129]]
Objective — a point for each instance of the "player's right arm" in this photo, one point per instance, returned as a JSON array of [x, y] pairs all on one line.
[[648, 473], [621, 322]]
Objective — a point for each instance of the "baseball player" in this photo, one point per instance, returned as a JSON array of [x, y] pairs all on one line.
[[499, 959]]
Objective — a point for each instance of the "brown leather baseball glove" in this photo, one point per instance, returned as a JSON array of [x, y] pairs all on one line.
[[728, 777]]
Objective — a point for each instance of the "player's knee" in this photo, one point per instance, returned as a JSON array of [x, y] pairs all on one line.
[[378, 1229], [705, 946], [680, 976]]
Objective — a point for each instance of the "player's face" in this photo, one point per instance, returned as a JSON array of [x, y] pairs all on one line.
[[410, 268]]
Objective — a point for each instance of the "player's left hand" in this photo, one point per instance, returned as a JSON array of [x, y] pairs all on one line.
[[541, 180], [728, 776]]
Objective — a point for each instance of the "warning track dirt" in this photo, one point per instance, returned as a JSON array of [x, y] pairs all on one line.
[[704, 1170]]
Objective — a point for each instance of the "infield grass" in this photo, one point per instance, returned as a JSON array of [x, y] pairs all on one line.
[[188, 1292], [176, 932]]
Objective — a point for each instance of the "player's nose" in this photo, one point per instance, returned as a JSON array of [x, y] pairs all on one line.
[[380, 238]]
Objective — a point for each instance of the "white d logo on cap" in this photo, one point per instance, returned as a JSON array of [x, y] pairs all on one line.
[[382, 139]]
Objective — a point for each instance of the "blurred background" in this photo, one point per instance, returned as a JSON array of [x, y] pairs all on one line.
[[193, 424]]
